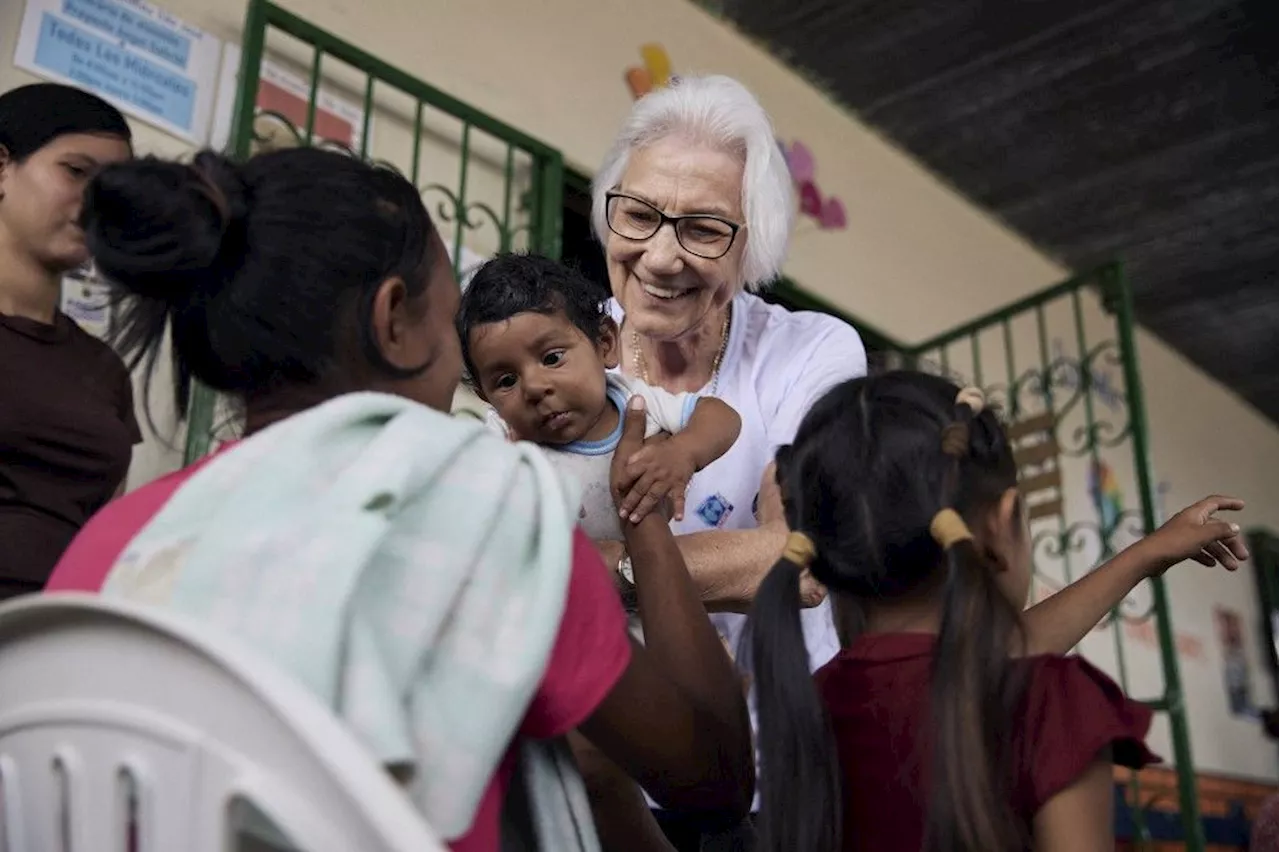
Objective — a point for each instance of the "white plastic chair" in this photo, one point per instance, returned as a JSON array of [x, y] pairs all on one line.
[[114, 715]]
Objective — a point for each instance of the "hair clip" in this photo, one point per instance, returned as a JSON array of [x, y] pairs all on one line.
[[799, 549], [949, 529], [972, 397]]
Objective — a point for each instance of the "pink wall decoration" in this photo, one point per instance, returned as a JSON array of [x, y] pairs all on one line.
[[828, 212]]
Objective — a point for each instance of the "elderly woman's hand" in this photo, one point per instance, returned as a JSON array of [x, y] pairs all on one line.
[[771, 515], [812, 592], [769, 510]]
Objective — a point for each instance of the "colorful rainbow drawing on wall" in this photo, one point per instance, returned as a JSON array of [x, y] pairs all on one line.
[[1106, 494], [828, 212]]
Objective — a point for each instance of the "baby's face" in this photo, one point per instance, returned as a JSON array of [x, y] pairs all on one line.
[[544, 377]]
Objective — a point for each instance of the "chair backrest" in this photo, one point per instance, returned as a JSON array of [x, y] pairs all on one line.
[[125, 728]]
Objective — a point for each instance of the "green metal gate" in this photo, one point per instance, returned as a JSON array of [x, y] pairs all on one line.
[[1065, 358], [483, 181]]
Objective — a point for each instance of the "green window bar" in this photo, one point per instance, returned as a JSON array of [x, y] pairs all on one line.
[[1044, 378], [1065, 386], [528, 214]]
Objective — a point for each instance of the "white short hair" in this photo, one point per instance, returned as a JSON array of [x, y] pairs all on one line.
[[721, 111]]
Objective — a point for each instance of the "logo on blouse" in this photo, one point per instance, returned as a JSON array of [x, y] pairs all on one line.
[[715, 510]]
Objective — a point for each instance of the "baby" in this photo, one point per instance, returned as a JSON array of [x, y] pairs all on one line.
[[540, 348]]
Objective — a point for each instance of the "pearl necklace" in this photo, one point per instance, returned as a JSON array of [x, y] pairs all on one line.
[[642, 369]]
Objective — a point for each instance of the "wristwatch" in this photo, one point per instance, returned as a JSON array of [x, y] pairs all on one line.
[[627, 585]]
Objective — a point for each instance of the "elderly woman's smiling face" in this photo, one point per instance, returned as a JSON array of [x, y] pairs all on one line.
[[666, 290]]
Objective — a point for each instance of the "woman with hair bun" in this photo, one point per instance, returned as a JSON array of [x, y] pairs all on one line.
[[67, 425], [421, 575]]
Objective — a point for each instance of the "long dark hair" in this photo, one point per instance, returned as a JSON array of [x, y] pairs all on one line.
[[867, 474], [261, 269]]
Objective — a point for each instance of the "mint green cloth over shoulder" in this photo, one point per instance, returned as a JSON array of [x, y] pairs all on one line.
[[408, 567]]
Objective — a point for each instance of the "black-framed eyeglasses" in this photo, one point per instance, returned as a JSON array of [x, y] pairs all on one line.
[[706, 236]]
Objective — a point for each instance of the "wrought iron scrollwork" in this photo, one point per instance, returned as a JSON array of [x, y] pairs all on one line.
[[1061, 386], [504, 235], [937, 368], [337, 147], [261, 132], [1100, 432], [471, 216], [998, 399], [270, 126], [1090, 543], [265, 121], [1053, 387]]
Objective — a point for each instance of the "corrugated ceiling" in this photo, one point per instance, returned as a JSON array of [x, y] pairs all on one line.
[[1140, 130]]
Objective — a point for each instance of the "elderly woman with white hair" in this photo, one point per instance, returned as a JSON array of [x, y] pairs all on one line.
[[701, 157], [694, 207]]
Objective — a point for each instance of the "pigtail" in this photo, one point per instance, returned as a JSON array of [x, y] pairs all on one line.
[[872, 463], [974, 687], [972, 704], [800, 779]]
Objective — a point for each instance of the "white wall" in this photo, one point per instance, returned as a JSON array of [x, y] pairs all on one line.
[[915, 259]]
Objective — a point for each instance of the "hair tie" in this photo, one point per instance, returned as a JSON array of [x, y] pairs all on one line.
[[955, 439], [972, 397], [949, 529], [799, 549]]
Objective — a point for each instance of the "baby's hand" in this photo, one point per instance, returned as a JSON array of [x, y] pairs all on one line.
[[1194, 533], [661, 470]]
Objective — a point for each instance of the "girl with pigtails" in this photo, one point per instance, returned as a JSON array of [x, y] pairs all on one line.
[[936, 727]]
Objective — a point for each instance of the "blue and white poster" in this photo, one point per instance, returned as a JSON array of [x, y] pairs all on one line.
[[148, 63]]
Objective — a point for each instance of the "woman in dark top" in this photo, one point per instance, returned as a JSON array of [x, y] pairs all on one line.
[[67, 426]]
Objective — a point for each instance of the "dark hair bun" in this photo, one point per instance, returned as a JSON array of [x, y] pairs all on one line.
[[167, 230]]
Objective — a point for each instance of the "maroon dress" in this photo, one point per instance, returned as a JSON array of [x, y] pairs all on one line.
[[877, 693], [67, 429]]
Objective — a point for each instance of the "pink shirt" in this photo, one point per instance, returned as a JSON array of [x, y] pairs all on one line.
[[590, 653]]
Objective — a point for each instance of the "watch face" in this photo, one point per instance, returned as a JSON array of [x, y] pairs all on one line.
[[624, 568]]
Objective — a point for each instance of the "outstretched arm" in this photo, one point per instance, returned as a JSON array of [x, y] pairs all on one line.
[[677, 719], [1059, 623]]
